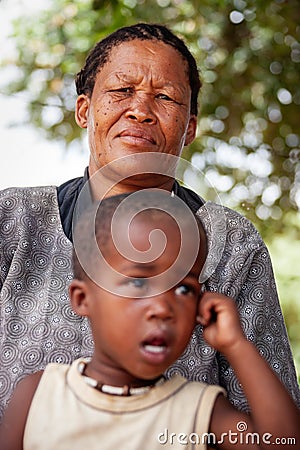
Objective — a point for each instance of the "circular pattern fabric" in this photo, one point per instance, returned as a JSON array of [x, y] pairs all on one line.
[[38, 325]]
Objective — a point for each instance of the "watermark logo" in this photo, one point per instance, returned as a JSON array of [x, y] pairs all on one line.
[[241, 426], [140, 169]]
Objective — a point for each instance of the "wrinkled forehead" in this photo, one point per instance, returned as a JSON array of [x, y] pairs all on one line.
[[140, 50]]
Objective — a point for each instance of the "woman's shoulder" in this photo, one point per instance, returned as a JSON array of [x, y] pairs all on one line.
[[227, 225], [233, 242], [26, 191], [21, 199]]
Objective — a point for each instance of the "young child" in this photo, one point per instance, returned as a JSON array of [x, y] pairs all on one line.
[[136, 279]]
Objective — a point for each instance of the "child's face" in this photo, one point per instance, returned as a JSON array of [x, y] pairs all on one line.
[[143, 330]]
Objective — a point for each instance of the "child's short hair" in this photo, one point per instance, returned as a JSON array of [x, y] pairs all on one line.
[[101, 221]]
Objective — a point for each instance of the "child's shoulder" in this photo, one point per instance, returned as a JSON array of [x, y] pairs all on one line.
[[201, 393], [15, 416]]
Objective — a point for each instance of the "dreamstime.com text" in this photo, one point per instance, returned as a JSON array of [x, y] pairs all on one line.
[[240, 436]]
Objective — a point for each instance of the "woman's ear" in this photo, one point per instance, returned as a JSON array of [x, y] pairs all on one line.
[[191, 130], [82, 110], [78, 297]]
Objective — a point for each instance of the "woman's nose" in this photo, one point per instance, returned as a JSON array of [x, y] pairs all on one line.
[[140, 110]]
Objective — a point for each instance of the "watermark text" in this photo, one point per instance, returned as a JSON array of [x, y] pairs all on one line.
[[239, 436]]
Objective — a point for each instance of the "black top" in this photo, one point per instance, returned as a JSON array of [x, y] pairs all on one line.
[[68, 192]]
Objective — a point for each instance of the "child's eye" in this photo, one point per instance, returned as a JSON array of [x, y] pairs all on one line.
[[137, 282], [185, 289], [133, 287]]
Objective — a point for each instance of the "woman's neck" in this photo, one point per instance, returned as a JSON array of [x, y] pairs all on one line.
[[102, 187]]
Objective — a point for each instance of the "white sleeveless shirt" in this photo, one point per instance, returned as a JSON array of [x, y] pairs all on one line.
[[67, 414]]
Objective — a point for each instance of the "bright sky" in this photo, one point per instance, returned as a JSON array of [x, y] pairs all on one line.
[[26, 158]]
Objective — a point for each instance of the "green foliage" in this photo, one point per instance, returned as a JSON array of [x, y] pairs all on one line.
[[248, 54], [247, 149], [285, 257]]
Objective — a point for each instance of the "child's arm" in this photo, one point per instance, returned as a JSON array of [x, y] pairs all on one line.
[[274, 416], [15, 416]]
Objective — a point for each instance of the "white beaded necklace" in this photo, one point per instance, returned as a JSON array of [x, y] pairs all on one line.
[[115, 390]]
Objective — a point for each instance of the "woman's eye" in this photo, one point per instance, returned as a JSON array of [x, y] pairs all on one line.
[[164, 97], [125, 90]]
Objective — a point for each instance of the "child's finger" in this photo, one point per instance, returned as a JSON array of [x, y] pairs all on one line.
[[207, 302], [206, 308], [212, 305]]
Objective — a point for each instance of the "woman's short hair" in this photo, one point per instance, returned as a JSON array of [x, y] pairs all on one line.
[[98, 56]]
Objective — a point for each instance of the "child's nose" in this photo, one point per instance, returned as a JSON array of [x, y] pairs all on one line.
[[160, 307]]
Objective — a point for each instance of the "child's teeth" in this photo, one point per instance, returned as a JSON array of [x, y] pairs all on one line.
[[154, 348]]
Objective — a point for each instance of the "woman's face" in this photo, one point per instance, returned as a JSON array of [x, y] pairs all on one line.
[[140, 103]]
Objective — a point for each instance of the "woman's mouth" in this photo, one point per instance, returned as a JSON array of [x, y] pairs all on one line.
[[136, 136]]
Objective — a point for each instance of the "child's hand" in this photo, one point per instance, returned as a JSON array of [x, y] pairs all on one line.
[[220, 320]]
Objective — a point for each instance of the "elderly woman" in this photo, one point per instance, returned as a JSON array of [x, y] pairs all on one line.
[[137, 97]]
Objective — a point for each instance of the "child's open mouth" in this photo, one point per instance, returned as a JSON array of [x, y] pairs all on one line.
[[155, 349], [155, 346]]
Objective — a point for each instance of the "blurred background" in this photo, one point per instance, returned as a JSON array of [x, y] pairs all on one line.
[[248, 142]]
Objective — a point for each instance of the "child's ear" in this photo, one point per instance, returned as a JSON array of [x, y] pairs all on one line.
[[199, 314], [198, 318], [78, 297]]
